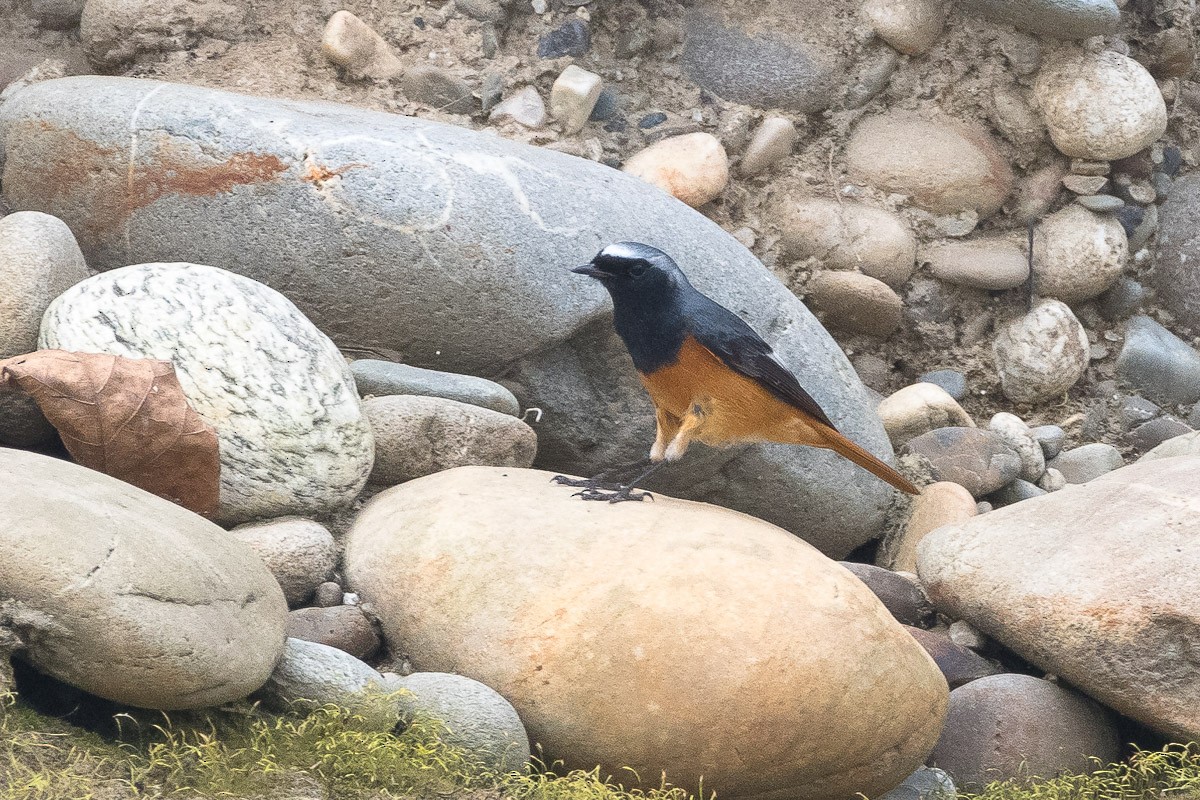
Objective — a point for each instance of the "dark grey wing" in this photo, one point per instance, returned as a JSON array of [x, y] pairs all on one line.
[[730, 339]]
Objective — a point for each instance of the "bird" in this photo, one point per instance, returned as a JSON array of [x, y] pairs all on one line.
[[710, 376]]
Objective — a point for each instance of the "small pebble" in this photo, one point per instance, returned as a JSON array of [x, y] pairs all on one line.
[[992, 262], [651, 120], [524, 107], [964, 634], [1051, 438], [1172, 160], [355, 46], [539, 6], [1158, 363], [1041, 355], [437, 88], [345, 627], [328, 595], [1162, 186], [1077, 254], [692, 168], [773, 141], [1016, 492], [911, 27], [903, 598], [983, 507], [1100, 106], [1146, 228], [849, 236], [1088, 462], [918, 409], [1081, 166], [953, 382], [491, 92], [606, 105], [300, 553], [1052, 480], [1085, 184], [855, 303], [1151, 434], [572, 38], [1100, 203], [1017, 435], [976, 459], [573, 96], [1136, 410], [927, 783]]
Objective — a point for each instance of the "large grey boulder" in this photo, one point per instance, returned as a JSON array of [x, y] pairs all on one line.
[[1178, 243], [128, 596], [440, 246]]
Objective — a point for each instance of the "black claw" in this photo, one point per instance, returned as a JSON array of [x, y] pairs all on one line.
[[621, 494]]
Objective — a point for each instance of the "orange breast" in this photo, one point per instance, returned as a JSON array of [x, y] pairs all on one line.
[[735, 408]]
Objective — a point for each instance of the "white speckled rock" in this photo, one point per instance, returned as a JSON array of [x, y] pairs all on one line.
[[910, 26], [772, 141], [846, 235], [127, 595], [1101, 106], [292, 433], [1017, 435], [356, 47], [1041, 355], [693, 167], [300, 553], [1077, 254]]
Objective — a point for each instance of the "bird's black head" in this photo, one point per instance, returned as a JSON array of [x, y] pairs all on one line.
[[629, 269]]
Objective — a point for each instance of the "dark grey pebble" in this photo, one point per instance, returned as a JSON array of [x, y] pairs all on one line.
[[572, 38]]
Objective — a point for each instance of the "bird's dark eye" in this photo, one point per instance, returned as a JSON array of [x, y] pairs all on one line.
[[638, 270]]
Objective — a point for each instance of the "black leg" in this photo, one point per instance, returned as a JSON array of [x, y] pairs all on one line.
[[624, 492], [602, 480]]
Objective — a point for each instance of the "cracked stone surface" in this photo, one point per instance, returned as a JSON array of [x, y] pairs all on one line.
[[128, 596], [1094, 583], [293, 437], [439, 247]]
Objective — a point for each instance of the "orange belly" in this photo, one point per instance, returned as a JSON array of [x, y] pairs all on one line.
[[735, 408]]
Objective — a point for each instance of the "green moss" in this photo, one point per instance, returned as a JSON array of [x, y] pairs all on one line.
[[1172, 773], [243, 752]]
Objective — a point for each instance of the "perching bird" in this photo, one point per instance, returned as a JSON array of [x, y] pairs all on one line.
[[712, 379]]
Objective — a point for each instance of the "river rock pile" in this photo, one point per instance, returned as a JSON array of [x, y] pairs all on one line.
[[986, 205]]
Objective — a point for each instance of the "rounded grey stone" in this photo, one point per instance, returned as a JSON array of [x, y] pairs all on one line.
[[417, 436], [1061, 19], [382, 378], [1186, 445], [1051, 438], [901, 596], [978, 460], [300, 553], [1087, 462], [1015, 492], [39, 260], [1100, 203], [1158, 363], [758, 61], [476, 718], [400, 236], [293, 438], [128, 596], [953, 381], [927, 783], [1017, 435], [310, 675], [1178, 247], [1153, 433], [1008, 726]]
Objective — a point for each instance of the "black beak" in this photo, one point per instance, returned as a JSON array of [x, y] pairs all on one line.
[[591, 272]]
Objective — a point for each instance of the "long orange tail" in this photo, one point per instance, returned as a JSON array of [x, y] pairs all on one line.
[[844, 447]]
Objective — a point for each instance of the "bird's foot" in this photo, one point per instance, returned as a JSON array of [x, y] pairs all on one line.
[[621, 494]]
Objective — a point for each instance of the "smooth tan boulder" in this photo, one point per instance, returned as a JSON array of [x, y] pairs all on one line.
[[1094, 583], [128, 596], [658, 636]]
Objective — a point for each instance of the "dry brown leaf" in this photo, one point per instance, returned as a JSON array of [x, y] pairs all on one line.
[[126, 417]]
